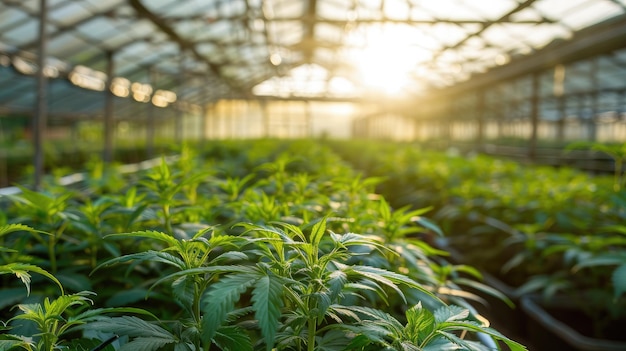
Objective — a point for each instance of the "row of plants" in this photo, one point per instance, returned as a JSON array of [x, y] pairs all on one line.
[[552, 231], [266, 244]]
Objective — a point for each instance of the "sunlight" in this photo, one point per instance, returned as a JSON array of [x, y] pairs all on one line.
[[388, 59]]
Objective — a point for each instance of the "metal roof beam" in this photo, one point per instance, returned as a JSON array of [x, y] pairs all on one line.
[[182, 42], [342, 22], [66, 28], [599, 39]]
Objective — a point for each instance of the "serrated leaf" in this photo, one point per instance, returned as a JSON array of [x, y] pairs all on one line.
[[147, 344], [440, 344], [202, 271], [232, 338], [267, 302], [332, 340], [420, 323], [95, 313], [464, 344], [149, 234], [184, 292], [10, 228], [88, 345], [151, 256], [130, 326], [318, 231], [387, 278], [336, 283], [473, 327], [21, 271], [221, 299], [10, 342], [451, 313]]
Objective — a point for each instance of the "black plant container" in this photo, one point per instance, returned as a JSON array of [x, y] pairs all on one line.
[[549, 333]]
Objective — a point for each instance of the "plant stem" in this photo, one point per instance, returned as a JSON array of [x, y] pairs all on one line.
[[311, 337], [168, 219]]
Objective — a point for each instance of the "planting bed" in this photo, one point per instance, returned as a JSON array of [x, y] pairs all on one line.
[[247, 245], [536, 229]]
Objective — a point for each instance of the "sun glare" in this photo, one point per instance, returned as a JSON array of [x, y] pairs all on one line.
[[388, 60]]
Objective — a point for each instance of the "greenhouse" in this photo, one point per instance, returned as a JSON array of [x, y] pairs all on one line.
[[312, 175]]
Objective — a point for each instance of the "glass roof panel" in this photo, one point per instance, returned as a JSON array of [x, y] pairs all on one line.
[[593, 12], [98, 6], [60, 45], [22, 34], [429, 43], [69, 13], [9, 17]]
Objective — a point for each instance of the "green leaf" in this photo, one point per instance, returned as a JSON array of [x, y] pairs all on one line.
[[202, 271], [10, 342], [221, 299], [465, 344], [147, 344], [232, 338], [149, 234], [21, 271], [267, 302], [440, 344], [420, 323], [95, 313], [619, 280], [336, 283], [450, 313], [184, 292], [428, 224], [603, 260], [485, 289], [88, 344], [151, 256], [130, 326], [317, 232], [10, 228], [470, 326], [387, 278]]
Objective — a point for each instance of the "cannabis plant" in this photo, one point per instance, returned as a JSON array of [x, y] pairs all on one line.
[[193, 265]]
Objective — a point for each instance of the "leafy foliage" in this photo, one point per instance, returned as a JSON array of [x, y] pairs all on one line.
[[280, 247]]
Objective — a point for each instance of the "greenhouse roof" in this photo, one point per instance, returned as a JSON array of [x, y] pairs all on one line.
[[204, 50]]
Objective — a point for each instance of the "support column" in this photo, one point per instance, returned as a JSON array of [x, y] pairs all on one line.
[[560, 127], [559, 93], [109, 124], [178, 118], [480, 119], [266, 119], [591, 123], [534, 115], [308, 132], [150, 125], [40, 117], [205, 114]]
